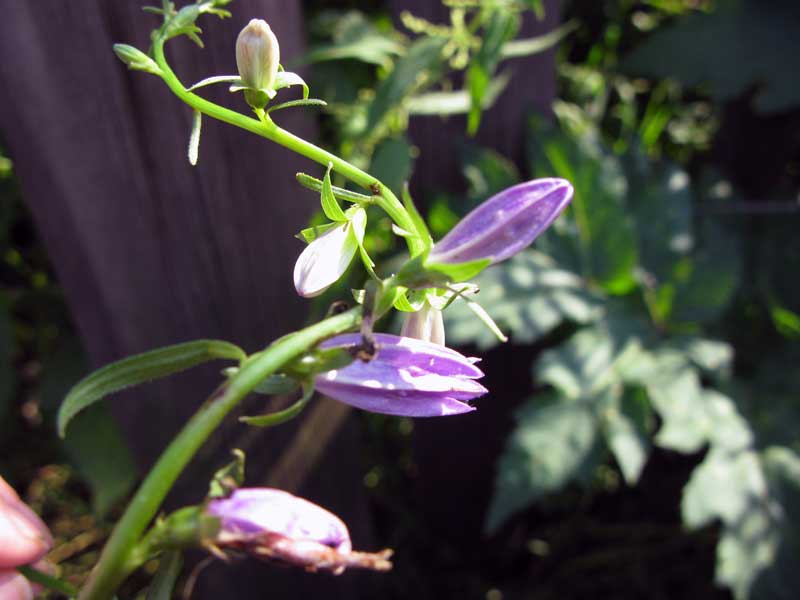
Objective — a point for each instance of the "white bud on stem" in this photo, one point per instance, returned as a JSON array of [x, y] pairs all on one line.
[[257, 57]]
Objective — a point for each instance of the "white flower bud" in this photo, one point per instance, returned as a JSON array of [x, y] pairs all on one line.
[[257, 56], [426, 324], [326, 259]]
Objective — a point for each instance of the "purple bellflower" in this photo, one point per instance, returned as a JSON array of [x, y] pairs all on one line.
[[271, 524], [408, 377], [505, 224]]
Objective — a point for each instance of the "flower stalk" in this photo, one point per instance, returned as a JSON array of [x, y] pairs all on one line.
[[118, 560], [266, 128]]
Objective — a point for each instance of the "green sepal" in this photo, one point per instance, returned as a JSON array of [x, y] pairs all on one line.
[[486, 319], [285, 79], [277, 384], [139, 369], [416, 218], [387, 298], [318, 361], [136, 59], [403, 304], [256, 98], [416, 273], [330, 206], [459, 271], [229, 477], [312, 183], [188, 527], [282, 416], [309, 234]]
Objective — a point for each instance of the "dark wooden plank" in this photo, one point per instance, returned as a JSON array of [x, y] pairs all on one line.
[[151, 251]]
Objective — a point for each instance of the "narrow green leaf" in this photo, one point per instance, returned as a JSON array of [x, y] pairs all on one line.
[[277, 384], [281, 416], [194, 138], [416, 218], [48, 581], [312, 183], [540, 43], [330, 206], [502, 26], [293, 103], [139, 369], [487, 320], [458, 102], [163, 584], [234, 79]]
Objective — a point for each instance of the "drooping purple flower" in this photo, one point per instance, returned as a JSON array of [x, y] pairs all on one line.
[[408, 377], [505, 223], [272, 524]]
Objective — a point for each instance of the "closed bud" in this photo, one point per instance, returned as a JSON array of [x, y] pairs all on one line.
[[504, 224], [136, 59], [274, 525], [257, 57], [426, 324]]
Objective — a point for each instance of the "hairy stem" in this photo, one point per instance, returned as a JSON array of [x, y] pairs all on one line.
[[116, 560]]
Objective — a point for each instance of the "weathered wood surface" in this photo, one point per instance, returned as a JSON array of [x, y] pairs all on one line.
[[151, 251]]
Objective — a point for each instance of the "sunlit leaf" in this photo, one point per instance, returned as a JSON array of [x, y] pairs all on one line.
[[554, 442], [528, 296]]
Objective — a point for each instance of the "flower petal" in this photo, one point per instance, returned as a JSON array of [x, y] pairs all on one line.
[[403, 351], [267, 510], [326, 259], [504, 224]]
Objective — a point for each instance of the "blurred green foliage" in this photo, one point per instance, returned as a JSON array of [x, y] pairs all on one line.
[[669, 259]]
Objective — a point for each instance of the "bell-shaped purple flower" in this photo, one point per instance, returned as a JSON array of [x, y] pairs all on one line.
[[408, 377], [272, 524], [505, 224]]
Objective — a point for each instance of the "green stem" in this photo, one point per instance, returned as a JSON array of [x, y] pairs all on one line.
[[268, 129], [115, 562], [48, 581]]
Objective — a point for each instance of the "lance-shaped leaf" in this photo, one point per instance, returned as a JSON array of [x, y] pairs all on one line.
[[139, 369]]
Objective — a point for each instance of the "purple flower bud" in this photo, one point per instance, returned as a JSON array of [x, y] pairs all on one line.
[[275, 525], [408, 377], [504, 224]]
